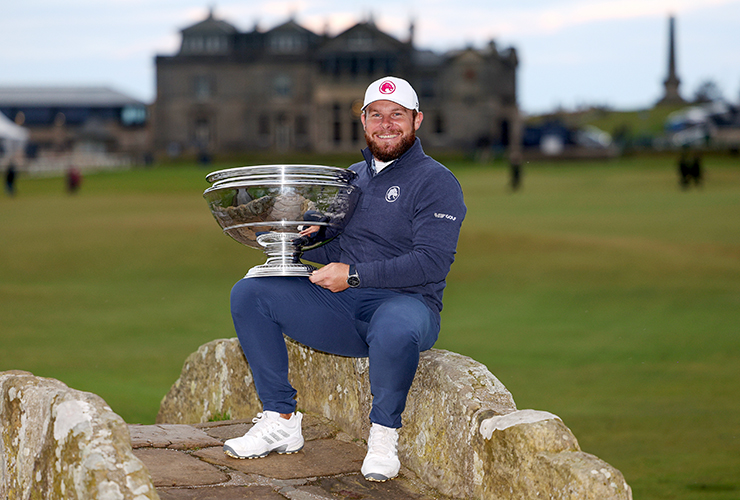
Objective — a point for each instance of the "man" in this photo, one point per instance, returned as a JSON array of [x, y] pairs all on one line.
[[10, 174], [379, 294]]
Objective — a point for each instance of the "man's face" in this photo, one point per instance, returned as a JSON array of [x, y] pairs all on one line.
[[390, 129]]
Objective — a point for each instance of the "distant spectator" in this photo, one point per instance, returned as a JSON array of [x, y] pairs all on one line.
[[10, 175], [74, 179], [683, 170], [515, 170], [695, 171], [690, 170], [204, 158]]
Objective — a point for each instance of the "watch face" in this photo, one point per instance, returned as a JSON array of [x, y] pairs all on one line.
[[353, 281]]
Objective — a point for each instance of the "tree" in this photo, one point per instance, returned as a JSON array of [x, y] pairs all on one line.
[[708, 91]]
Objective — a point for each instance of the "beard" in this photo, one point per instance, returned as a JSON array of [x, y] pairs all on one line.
[[386, 154]]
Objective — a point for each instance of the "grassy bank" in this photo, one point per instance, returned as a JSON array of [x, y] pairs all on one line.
[[599, 292]]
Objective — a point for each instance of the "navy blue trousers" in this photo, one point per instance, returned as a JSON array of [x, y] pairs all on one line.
[[389, 327]]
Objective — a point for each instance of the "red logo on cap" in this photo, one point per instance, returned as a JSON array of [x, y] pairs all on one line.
[[387, 87]]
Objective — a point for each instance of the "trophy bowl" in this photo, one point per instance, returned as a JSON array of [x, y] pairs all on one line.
[[266, 207]]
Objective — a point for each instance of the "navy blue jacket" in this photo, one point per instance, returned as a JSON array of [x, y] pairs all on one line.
[[404, 231]]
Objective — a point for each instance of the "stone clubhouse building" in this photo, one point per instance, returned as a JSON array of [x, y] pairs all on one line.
[[290, 89]]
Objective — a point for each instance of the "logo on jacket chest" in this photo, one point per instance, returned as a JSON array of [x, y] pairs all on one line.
[[392, 194]]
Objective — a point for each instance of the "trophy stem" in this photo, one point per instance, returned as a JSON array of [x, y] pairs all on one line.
[[283, 257]]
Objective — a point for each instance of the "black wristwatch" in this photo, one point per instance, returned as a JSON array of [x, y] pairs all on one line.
[[353, 279]]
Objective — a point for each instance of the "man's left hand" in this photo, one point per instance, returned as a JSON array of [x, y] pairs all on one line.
[[332, 276]]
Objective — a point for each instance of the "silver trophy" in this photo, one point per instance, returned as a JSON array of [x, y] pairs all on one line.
[[266, 206]]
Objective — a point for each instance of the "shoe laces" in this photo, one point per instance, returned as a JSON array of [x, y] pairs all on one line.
[[263, 424], [382, 441]]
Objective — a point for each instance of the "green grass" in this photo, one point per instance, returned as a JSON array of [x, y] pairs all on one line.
[[600, 292]]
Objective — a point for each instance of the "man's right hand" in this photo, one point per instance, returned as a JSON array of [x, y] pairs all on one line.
[[332, 276]]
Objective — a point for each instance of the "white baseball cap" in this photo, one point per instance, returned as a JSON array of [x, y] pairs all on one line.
[[394, 89]]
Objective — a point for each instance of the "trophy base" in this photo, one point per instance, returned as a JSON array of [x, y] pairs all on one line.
[[282, 269], [283, 259]]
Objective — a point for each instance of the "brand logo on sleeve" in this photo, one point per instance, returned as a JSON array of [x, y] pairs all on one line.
[[392, 194], [444, 216]]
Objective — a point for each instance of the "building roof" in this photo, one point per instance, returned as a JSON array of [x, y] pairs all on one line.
[[291, 25], [65, 97], [427, 58], [363, 37], [210, 25]]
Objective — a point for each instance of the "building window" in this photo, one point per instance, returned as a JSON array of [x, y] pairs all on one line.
[[337, 132], [336, 66], [329, 66], [192, 45], [504, 132], [439, 124], [287, 44], [390, 65], [360, 41], [426, 88], [263, 124], [283, 86], [197, 44], [337, 124], [283, 132], [202, 134], [133, 115], [77, 116], [216, 44], [301, 125], [203, 87], [37, 116], [355, 131]]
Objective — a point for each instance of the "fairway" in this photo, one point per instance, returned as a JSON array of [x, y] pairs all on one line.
[[600, 292]]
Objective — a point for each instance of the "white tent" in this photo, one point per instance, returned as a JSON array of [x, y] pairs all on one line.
[[13, 138]]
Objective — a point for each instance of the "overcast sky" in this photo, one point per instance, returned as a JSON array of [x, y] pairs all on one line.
[[572, 52]]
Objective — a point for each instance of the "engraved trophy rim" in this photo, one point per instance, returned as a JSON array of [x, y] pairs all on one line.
[[279, 172]]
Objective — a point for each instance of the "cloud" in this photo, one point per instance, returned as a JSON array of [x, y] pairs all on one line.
[[561, 16], [79, 40]]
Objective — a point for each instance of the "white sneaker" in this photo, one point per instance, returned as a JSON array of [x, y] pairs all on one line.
[[270, 432], [381, 462]]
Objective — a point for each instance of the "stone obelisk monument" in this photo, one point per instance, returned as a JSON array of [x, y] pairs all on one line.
[[672, 82]]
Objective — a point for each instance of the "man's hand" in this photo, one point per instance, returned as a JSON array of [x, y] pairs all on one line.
[[332, 276], [310, 230]]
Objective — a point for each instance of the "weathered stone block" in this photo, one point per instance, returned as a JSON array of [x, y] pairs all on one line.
[[172, 436], [215, 384], [59, 443], [526, 452], [462, 432]]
